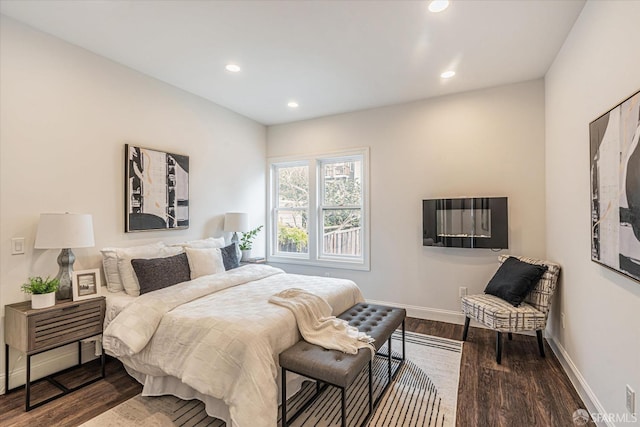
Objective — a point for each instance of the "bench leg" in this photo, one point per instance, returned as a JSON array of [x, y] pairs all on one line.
[[344, 407], [403, 339], [389, 360], [284, 397], [370, 388], [498, 347]]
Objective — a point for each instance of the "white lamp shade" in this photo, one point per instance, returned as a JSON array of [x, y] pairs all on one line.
[[61, 231], [236, 221]]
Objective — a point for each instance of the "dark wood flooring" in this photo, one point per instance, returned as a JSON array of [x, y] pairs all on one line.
[[525, 390]]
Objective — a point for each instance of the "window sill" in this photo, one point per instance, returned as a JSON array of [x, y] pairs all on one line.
[[345, 265]]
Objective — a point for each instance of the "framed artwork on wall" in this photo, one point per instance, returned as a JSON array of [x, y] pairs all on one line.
[[615, 188], [156, 190], [86, 284]]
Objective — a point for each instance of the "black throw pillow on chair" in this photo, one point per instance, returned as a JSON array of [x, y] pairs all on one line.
[[514, 280]]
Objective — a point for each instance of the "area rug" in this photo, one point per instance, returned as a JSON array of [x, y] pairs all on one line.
[[424, 393]]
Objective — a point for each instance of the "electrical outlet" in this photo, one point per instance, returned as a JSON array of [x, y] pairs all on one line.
[[631, 400], [462, 292], [562, 320]]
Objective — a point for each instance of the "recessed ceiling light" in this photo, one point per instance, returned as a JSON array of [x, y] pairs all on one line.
[[438, 5], [232, 68], [292, 104], [448, 74]]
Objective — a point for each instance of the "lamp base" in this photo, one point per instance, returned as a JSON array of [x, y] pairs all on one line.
[[65, 261], [234, 239]]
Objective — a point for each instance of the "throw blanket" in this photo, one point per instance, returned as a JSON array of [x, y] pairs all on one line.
[[318, 326], [220, 336]]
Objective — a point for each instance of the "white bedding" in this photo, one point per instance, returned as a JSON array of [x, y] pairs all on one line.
[[220, 336], [116, 302]]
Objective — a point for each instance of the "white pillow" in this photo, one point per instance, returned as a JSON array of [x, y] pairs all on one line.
[[211, 242], [110, 266], [110, 262], [128, 275], [204, 261]]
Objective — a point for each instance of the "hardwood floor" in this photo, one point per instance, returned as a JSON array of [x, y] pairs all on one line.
[[75, 408], [525, 390]]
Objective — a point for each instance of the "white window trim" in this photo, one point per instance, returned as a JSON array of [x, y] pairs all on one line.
[[314, 256]]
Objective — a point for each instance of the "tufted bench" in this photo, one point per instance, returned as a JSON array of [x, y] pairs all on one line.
[[339, 369]]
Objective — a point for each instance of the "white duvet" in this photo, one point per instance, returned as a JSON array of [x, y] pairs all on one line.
[[220, 335]]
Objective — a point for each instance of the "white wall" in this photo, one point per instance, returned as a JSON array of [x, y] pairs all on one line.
[[598, 66], [483, 143], [65, 115]]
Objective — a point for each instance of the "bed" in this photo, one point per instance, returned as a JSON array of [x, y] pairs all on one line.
[[216, 338]]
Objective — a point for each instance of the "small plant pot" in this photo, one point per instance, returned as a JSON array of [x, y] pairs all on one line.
[[246, 254], [43, 300]]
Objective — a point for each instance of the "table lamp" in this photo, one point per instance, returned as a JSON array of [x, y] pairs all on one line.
[[65, 231], [234, 222]]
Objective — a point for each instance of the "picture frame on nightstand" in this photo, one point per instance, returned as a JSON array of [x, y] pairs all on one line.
[[86, 284]]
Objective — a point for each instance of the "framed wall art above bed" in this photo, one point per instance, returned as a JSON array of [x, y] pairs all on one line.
[[615, 188], [156, 190]]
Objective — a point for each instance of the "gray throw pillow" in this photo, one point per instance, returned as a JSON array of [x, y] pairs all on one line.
[[230, 257], [159, 273]]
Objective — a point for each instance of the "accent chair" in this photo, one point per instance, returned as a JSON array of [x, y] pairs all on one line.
[[502, 316]]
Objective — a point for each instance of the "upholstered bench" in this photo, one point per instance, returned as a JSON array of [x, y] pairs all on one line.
[[338, 369]]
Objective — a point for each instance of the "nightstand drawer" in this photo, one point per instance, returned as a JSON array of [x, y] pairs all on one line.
[[65, 324]]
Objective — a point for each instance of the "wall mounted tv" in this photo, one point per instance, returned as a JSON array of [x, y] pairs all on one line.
[[476, 222]]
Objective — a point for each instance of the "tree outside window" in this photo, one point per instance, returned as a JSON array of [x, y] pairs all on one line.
[[293, 208]]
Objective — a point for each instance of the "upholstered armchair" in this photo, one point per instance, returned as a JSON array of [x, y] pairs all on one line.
[[503, 316]]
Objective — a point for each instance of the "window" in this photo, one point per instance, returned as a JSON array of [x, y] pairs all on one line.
[[318, 211], [292, 208]]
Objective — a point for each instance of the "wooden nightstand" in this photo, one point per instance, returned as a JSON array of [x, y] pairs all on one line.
[[259, 260], [36, 331]]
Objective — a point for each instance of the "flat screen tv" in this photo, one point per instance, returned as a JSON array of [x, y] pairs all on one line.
[[475, 222]]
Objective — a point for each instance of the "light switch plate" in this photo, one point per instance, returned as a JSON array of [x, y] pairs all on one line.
[[17, 246]]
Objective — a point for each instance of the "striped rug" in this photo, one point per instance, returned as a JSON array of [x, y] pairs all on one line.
[[424, 393]]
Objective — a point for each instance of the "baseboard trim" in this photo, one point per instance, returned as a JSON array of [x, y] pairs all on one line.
[[64, 358], [587, 395]]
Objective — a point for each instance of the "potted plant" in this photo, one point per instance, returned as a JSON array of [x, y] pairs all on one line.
[[43, 291], [246, 242]]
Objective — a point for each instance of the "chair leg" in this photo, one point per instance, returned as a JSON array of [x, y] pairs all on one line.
[[510, 335], [540, 342], [498, 347], [466, 328]]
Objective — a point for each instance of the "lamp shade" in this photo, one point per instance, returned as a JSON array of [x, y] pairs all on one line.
[[236, 221], [59, 231]]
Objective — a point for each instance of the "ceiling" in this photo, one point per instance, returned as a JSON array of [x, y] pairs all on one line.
[[329, 56]]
